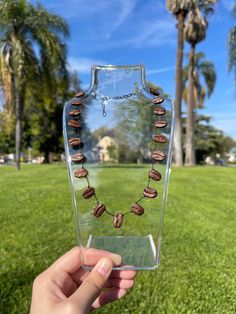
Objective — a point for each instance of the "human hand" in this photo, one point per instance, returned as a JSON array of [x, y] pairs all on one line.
[[66, 288]]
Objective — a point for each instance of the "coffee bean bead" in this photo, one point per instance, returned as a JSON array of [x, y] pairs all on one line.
[[74, 123], [89, 192], [98, 210], [157, 101], [154, 175], [80, 94], [75, 142], [118, 220], [150, 192], [78, 158], [155, 92], [137, 209], [159, 111], [158, 155], [81, 173], [74, 112], [160, 138], [76, 102], [160, 124]]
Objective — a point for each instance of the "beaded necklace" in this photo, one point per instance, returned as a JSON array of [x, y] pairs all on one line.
[[79, 158]]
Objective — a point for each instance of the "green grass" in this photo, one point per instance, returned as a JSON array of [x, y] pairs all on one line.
[[198, 265]]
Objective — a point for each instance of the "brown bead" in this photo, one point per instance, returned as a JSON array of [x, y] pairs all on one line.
[[89, 192], [137, 209], [154, 175], [74, 112], [76, 102], [160, 124], [81, 173], [118, 220], [80, 94], [75, 142], [74, 124], [78, 158], [158, 155], [159, 111], [155, 92], [158, 100], [160, 138], [98, 210], [150, 192]]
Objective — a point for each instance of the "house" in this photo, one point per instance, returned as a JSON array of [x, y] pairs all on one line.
[[103, 146], [232, 155]]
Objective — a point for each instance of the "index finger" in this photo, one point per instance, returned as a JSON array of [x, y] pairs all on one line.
[[73, 259], [92, 256]]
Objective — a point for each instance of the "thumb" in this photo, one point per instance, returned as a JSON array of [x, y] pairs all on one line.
[[92, 286]]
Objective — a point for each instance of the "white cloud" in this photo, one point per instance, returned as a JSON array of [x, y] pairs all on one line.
[[107, 16], [104, 16], [126, 7], [149, 34], [83, 65], [121, 23], [160, 70]]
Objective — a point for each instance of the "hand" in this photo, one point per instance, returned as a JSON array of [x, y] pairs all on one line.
[[66, 288]]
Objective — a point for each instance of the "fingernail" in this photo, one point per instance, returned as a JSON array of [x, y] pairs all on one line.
[[104, 267], [121, 293]]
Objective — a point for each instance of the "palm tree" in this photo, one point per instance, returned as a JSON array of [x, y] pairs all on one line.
[[179, 8], [195, 32], [232, 47], [205, 70], [202, 84], [31, 48]]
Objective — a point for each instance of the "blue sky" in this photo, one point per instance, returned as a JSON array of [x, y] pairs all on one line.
[[126, 32]]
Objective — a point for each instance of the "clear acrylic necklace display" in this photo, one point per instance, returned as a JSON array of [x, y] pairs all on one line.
[[118, 139]]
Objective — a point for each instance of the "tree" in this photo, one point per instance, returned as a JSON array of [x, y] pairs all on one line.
[[6, 132], [179, 8], [101, 132], [232, 47], [209, 140], [44, 116], [195, 32], [135, 133], [132, 132], [31, 49], [205, 70]]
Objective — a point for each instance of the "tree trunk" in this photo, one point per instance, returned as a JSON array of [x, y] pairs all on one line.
[[19, 117], [46, 157], [190, 158], [178, 145]]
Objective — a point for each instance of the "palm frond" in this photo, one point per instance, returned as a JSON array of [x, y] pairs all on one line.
[[208, 72], [175, 6], [232, 51], [202, 69], [207, 6], [195, 27]]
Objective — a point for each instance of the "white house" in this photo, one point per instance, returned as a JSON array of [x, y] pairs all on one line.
[[102, 147]]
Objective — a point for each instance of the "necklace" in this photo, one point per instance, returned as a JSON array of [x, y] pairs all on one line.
[[79, 158]]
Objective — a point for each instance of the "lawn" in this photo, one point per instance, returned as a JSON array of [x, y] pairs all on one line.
[[198, 264]]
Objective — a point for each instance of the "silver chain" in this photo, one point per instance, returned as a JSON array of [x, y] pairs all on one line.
[[104, 99]]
